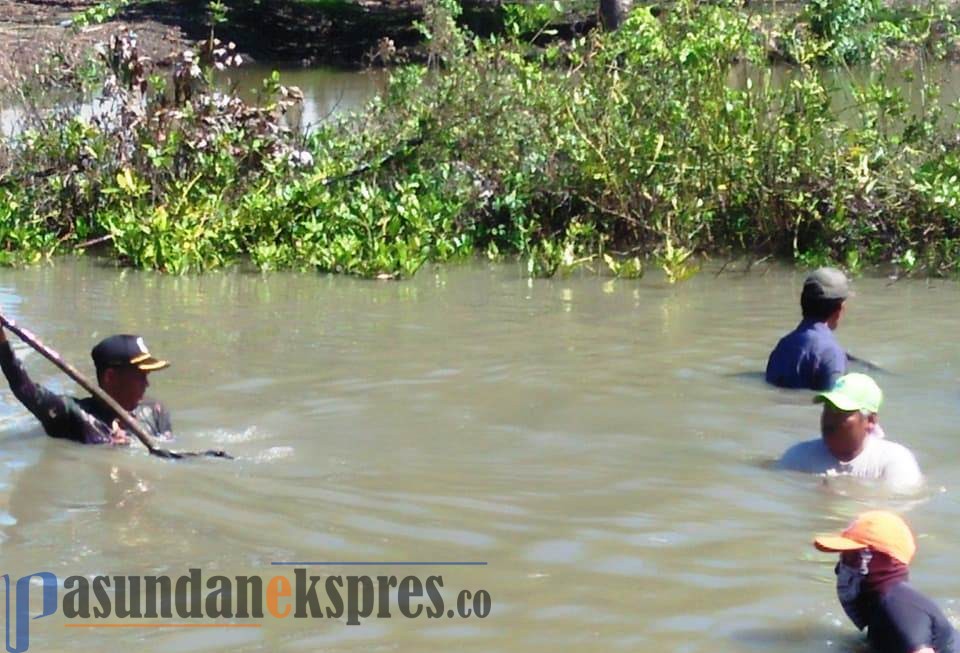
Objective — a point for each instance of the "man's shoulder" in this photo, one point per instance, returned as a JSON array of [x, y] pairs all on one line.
[[795, 338], [902, 600], [808, 446], [153, 413], [904, 593], [822, 337], [785, 360], [148, 403], [807, 339], [91, 407], [895, 463], [889, 450], [899, 614], [803, 456]]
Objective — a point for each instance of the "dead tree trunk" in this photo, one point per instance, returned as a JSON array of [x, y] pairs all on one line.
[[613, 13]]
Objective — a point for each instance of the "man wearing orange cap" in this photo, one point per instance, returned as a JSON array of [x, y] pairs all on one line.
[[122, 363], [872, 586], [849, 442]]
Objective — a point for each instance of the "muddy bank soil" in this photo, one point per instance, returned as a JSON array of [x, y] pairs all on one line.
[[31, 28], [276, 31]]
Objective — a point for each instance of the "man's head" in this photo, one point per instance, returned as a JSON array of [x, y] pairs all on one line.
[[849, 414], [122, 363], [878, 530], [825, 292], [875, 551]]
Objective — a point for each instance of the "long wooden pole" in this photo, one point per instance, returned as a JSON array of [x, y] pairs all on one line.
[[129, 421]]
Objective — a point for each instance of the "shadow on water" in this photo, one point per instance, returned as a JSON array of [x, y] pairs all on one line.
[[756, 378], [867, 367], [807, 638], [766, 463]]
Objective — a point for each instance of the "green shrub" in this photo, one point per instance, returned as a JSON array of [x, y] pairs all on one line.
[[601, 151]]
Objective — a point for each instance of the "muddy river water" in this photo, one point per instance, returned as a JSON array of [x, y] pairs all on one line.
[[601, 445]]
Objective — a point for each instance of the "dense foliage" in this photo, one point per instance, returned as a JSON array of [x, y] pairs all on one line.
[[604, 150]]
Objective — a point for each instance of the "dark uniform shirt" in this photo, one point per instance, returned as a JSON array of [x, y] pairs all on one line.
[[807, 357], [903, 620], [83, 420]]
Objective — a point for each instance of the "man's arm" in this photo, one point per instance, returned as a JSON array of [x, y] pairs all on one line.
[[48, 407], [944, 635], [802, 457], [905, 623]]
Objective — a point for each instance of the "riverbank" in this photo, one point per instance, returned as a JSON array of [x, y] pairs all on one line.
[[617, 150], [32, 29], [343, 33], [356, 33]]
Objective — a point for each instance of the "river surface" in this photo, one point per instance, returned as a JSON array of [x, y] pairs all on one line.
[[330, 93], [602, 445], [327, 92]]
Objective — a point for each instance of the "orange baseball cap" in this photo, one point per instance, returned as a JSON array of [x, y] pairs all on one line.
[[878, 530]]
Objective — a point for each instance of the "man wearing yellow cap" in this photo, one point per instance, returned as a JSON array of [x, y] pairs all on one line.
[[872, 574], [849, 444], [122, 363]]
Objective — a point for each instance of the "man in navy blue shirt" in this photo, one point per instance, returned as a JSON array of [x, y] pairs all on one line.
[[810, 356]]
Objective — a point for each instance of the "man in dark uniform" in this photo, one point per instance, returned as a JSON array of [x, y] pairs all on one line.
[[123, 363]]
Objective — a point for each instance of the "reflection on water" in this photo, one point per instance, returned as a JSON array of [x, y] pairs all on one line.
[[327, 92], [599, 443], [911, 77]]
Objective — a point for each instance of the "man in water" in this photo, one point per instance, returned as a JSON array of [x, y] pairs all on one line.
[[849, 444], [810, 356], [123, 363], [872, 586]]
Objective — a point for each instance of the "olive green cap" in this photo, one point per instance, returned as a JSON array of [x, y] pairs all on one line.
[[827, 283]]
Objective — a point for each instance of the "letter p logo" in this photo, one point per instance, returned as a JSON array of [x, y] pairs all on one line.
[[23, 607]]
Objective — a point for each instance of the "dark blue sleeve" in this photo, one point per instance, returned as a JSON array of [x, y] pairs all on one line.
[[908, 622], [944, 636], [831, 365], [778, 365]]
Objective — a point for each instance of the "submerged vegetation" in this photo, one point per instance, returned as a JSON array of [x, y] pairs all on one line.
[[611, 149]]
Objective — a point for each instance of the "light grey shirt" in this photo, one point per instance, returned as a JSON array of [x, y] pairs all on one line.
[[880, 459]]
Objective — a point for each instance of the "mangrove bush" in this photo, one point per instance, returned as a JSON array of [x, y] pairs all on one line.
[[606, 150]]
